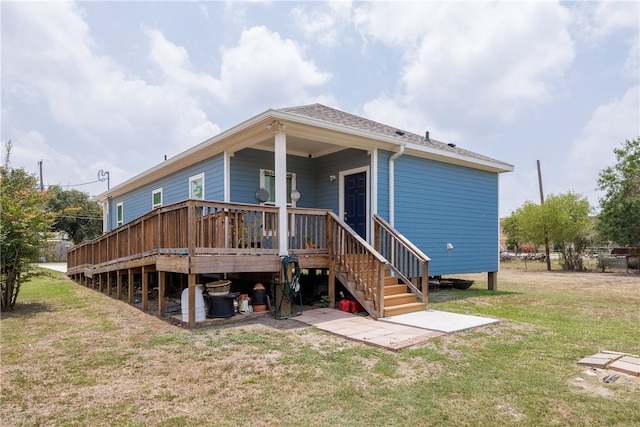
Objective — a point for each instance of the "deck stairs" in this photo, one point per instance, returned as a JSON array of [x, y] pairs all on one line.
[[398, 299], [383, 286]]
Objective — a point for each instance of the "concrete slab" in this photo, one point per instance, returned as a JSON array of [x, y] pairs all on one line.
[[390, 335], [600, 360], [57, 266], [627, 364], [441, 321]]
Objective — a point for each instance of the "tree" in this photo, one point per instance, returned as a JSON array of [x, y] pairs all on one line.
[[24, 223], [564, 219], [77, 215], [619, 218]]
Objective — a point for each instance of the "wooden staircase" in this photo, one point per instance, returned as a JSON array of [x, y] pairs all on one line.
[[397, 297], [380, 278]]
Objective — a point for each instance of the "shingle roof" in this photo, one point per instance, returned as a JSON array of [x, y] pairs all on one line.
[[334, 116]]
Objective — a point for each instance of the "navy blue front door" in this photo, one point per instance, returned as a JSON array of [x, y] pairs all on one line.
[[355, 202]]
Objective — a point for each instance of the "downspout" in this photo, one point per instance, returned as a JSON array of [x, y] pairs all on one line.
[[392, 191]]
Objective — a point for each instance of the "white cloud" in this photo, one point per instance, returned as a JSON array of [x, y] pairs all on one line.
[[594, 21], [609, 126], [89, 93], [458, 71], [324, 27], [265, 69]]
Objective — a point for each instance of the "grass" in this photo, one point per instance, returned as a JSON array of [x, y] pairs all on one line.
[[72, 356]]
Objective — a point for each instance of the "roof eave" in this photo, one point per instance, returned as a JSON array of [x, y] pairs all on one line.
[[459, 159], [184, 158]]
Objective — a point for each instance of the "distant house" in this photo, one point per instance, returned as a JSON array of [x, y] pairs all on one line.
[[308, 180]]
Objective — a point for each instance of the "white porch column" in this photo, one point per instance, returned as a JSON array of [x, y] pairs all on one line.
[[281, 190], [105, 216]]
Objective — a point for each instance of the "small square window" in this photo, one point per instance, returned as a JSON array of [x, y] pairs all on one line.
[[156, 198], [196, 187], [268, 182], [119, 214]]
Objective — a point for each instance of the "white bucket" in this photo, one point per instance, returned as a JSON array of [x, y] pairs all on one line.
[[243, 306], [201, 313]]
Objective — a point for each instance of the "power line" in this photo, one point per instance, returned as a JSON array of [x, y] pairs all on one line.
[[80, 217]]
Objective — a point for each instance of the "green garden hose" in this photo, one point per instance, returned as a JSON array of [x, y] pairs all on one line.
[[290, 284]]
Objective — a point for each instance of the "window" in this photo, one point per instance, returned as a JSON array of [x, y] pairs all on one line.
[[119, 214], [156, 198], [268, 182], [196, 187]]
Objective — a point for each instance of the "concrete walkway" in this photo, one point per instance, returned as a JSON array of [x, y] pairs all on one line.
[[394, 332], [440, 320], [57, 266]]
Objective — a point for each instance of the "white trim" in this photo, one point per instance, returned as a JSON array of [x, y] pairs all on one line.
[[227, 176], [105, 216], [292, 175], [153, 196], [344, 173], [280, 143], [374, 187], [193, 179], [119, 212]]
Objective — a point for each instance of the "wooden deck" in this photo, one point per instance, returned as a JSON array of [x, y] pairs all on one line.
[[195, 238]]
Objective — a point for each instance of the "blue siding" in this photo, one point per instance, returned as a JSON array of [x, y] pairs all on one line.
[[383, 183], [175, 188], [245, 176], [327, 192], [439, 203]]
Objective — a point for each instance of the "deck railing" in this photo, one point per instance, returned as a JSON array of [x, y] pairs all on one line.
[[408, 262], [307, 229], [198, 227], [359, 261]]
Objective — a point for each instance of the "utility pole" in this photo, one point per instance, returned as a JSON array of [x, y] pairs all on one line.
[[41, 180], [546, 238]]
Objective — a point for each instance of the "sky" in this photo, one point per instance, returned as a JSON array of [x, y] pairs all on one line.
[[115, 86]]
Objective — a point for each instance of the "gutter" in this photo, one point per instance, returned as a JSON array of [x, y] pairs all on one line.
[[392, 192]]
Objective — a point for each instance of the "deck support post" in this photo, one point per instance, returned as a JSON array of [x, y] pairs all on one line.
[[108, 283], [118, 285], [145, 289], [192, 300], [492, 280], [130, 284], [161, 290]]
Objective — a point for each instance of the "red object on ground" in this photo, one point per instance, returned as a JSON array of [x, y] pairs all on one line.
[[355, 307], [345, 305]]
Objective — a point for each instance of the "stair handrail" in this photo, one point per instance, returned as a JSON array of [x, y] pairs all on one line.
[[360, 271], [421, 259]]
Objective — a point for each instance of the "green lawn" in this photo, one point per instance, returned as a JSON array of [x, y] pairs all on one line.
[[72, 356]]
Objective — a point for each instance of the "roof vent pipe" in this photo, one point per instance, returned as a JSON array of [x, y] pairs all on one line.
[[426, 136]]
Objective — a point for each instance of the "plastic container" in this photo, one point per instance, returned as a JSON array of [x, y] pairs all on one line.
[[201, 313], [222, 305], [219, 287], [259, 295]]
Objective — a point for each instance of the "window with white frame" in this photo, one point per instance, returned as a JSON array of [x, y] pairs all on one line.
[[156, 198], [119, 214], [268, 182], [196, 186]]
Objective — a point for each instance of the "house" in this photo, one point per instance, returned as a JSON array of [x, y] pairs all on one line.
[[378, 208]]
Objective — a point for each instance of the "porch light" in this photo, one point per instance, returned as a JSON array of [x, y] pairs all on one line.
[[332, 178], [295, 196]]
